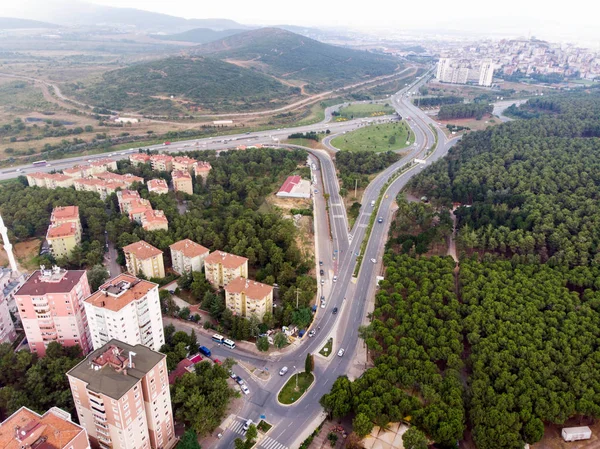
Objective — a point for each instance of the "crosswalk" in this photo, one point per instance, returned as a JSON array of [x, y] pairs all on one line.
[[266, 443]]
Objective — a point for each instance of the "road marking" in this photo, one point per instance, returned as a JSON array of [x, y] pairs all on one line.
[[362, 225], [270, 443], [237, 427], [338, 216]]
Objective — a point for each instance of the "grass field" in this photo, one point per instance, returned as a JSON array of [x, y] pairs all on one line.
[[326, 350], [383, 137], [289, 394], [366, 110]]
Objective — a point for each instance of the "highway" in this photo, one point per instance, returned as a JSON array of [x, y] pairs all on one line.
[[351, 295]]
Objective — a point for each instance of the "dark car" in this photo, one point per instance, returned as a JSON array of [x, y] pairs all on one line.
[[322, 272], [380, 220], [334, 310], [320, 262]]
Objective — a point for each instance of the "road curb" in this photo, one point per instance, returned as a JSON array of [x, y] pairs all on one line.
[[303, 394]]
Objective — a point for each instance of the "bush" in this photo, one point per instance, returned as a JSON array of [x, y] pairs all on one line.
[[262, 343]]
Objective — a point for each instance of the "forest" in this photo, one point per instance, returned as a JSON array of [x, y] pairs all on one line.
[[356, 166], [466, 110], [438, 101], [532, 185]]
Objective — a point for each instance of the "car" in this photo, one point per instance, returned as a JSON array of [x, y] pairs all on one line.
[[335, 279], [322, 304], [321, 272], [322, 298], [239, 380], [247, 424], [283, 370], [335, 310], [217, 361], [374, 260], [18, 170], [232, 374], [322, 281], [312, 333], [245, 389], [320, 262], [380, 220], [341, 352]]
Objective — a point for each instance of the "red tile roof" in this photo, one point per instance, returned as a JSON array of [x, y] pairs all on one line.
[[61, 230], [65, 213], [189, 248], [142, 250], [290, 183], [225, 259], [252, 289]]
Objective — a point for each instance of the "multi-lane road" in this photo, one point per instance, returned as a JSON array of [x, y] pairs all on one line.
[[339, 256]]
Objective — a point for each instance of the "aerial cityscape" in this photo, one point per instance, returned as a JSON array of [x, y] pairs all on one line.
[[235, 226]]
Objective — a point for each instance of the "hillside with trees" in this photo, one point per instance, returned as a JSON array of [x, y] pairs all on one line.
[[199, 82], [198, 35], [291, 56], [464, 110]]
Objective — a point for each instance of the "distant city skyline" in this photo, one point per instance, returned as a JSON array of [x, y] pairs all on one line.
[[468, 16]]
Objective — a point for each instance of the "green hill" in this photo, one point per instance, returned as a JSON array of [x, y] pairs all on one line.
[[198, 35], [205, 83], [11, 23], [290, 56]]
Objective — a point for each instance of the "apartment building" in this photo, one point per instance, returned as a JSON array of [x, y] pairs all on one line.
[[137, 210], [99, 166], [161, 162], [139, 158], [182, 181], [67, 214], [155, 220], [125, 198], [220, 268], [127, 309], [62, 239], [141, 257], [127, 178], [202, 169], [7, 327], [49, 180], [188, 256], [246, 298], [50, 305], [99, 186], [122, 398], [184, 163], [158, 186], [486, 73], [26, 429]]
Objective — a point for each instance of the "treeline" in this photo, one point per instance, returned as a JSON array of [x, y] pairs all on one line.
[[532, 184], [415, 339], [36, 383], [356, 166], [311, 135], [468, 110], [438, 101]]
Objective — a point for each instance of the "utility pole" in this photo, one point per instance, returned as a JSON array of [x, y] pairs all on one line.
[[297, 296]]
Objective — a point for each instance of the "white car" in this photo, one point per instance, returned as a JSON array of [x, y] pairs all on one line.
[[335, 279], [283, 370], [245, 389], [312, 333], [322, 281], [341, 352], [322, 304], [247, 424], [374, 260]]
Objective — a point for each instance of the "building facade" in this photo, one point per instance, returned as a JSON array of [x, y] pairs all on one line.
[[141, 257], [202, 170], [161, 162], [246, 298], [7, 327], [184, 163], [220, 268], [139, 158], [127, 309], [50, 305], [486, 73], [64, 233], [188, 256], [122, 398], [158, 186], [25, 429], [67, 214], [182, 181]]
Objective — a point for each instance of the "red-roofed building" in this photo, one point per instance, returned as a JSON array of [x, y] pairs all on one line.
[[154, 220], [202, 169], [182, 181], [246, 298], [161, 162], [294, 187], [187, 256], [158, 186], [139, 158]]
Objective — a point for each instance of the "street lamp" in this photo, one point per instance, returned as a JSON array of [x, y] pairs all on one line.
[[296, 378]]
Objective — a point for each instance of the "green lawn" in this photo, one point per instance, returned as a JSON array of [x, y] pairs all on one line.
[[383, 137], [326, 350], [263, 426], [289, 394], [366, 110]]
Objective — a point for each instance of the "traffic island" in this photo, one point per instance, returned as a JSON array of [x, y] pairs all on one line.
[[295, 388], [326, 350]]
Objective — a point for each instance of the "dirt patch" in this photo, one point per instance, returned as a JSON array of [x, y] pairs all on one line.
[[24, 252], [474, 125], [553, 440]]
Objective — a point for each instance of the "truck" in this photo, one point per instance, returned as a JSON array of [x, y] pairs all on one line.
[[576, 433], [167, 143], [204, 350], [373, 203]]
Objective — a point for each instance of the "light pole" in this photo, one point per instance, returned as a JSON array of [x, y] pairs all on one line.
[[296, 378]]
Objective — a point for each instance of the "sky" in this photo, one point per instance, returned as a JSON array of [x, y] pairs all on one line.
[[542, 18]]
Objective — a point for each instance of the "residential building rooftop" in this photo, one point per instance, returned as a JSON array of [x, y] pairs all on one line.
[[56, 280], [142, 250], [61, 230], [189, 248], [226, 259], [108, 370], [252, 289], [119, 292], [157, 184], [65, 213], [180, 174]]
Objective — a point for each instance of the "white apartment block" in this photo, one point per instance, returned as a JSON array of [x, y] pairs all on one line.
[[188, 256], [486, 73], [127, 309]]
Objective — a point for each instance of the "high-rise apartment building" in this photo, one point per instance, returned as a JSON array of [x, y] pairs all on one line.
[[127, 309], [51, 308], [187, 256], [7, 327], [25, 429], [122, 398], [452, 71], [141, 257], [161, 162], [220, 268], [486, 73]]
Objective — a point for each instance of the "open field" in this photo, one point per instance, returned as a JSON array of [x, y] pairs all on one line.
[[383, 137], [475, 125], [366, 110], [25, 253]]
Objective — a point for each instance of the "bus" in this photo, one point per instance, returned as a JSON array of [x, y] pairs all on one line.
[[39, 163], [218, 338], [229, 344]]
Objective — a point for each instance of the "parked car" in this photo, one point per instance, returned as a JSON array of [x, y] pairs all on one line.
[[239, 380], [247, 424], [341, 352], [322, 304], [320, 262], [232, 374], [322, 272], [335, 310], [245, 390], [204, 351], [322, 281], [283, 370]]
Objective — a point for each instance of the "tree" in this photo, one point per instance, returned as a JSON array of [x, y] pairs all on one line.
[[96, 276], [184, 313], [362, 425], [309, 363], [354, 441], [262, 343], [280, 340], [189, 440], [413, 438]]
